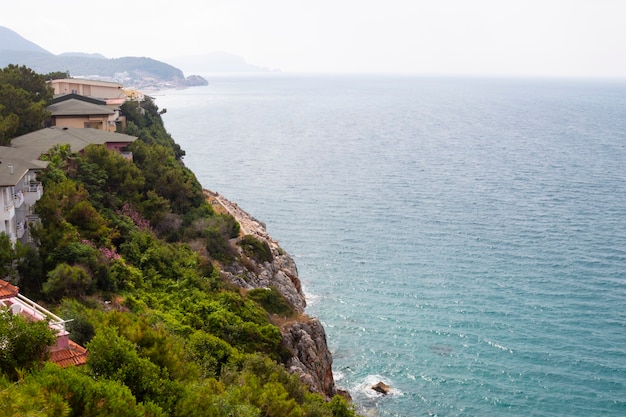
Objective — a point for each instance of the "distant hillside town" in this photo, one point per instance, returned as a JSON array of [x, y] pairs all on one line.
[[138, 72]]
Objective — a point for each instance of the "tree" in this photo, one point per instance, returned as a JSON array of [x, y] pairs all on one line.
[[67, 280], [23, 344], [110, 178], [57, 75], [28, 80], [24, 96], [69, 392], [9, 257], [8, 126], [113, 357]]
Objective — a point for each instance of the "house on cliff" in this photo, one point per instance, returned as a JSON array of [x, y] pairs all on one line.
[[19, 190], [40, 141], [88, 103], [20, 163], [109, 92], [64, 352], [73, 110]]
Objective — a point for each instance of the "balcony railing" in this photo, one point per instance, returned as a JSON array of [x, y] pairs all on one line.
[[33, 187], [38, 312], [18, 199], [20, 228], [32, 192]]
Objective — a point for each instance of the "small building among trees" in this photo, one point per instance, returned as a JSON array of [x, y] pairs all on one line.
[[62, 351]]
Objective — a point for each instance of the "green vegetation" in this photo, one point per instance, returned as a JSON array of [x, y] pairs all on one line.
[[24, 96], [23, 345], [132, 253], [256, 249], [272, 301]]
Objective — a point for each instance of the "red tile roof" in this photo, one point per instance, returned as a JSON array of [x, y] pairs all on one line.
[[74, 354], [7, 290]]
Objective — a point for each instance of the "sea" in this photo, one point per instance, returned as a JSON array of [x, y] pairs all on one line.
[[462, 240]]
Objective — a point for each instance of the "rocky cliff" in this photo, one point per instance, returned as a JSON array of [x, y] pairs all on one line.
[[303, 336]]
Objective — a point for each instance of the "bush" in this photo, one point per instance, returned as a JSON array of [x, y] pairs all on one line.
[[272, 301], [217, 246], [256, 248], [56, 392], [67, 280], [24, 345]]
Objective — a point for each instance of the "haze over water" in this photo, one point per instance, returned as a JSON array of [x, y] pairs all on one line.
[[463, 240]]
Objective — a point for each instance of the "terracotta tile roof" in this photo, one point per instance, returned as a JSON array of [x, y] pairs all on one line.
[[74, 354], [7, 290]]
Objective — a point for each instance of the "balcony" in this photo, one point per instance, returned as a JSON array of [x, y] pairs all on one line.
[[18, 199], [33, 311], [20, 229], [127, 155], [32, 192]]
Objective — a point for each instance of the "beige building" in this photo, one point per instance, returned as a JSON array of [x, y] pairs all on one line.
[[111, 93], [73, 110]]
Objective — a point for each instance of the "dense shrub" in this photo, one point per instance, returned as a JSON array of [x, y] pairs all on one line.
[[23, 345], [67, 280], [272, 301], [256, 248]]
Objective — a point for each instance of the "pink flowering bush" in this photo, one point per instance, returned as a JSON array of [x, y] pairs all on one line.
[[135, 216], [110, 254]]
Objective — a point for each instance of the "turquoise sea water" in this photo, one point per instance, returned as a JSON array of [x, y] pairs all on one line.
[[463, 240]]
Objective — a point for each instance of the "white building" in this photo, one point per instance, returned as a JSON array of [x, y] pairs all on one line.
[[19, 190]]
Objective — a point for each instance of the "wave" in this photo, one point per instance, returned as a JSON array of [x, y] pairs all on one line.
[[364, 387], [311, 298], [498, 346]]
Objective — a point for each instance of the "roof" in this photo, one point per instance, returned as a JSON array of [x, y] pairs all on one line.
[[78, 138], [7, 290], [73, 354], [14, 164], [85, 81], [62, 97], [8, 153], [76, 107]]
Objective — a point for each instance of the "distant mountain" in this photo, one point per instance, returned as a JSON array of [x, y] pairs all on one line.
[[214, 62], [83, 54], [11, 41], [131, 71]]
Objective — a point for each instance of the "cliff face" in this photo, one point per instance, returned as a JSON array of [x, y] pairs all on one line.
[[303, 336], [311, 360]]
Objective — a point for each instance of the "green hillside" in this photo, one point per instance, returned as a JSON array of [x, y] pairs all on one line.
[[132, 253]]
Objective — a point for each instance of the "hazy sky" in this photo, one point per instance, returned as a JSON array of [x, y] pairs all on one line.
[[490, 37]]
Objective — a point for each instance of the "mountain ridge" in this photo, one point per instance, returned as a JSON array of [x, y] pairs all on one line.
[[13, 41], [139, 72]]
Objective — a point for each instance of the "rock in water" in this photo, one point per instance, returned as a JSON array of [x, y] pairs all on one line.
[[382, 388]]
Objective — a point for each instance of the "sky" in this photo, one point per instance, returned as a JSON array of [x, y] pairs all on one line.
[[553, 38]]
